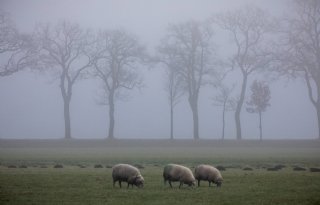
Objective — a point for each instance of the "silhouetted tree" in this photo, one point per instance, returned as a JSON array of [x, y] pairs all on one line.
[[248, 28], [17, 50], [224, 100], [300, 48], [118, 57], [259, 100], [64, 53], [190, 47], [173, 85]]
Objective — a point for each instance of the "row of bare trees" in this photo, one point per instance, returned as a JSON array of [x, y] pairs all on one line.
[[188, 52], [69, 54]]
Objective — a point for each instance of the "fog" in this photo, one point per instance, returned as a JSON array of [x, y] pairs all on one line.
[[31, 105]]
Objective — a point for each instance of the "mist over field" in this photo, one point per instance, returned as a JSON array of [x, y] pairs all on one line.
[[181, 101], [32, 104]]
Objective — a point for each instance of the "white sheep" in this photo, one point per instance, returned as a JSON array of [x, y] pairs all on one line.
[[208, 173], [127, 173], [174, 172]]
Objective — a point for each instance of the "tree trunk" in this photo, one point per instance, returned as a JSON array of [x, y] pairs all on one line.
[[67, 126], [317, 106], [194, 108], [195, 123], [66, 96], [223, 119], [315, 102], [260, 125], [171, 121], [318, 118], [111, 115], [239, 106]]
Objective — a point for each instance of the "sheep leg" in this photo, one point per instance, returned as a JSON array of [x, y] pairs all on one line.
[[120, 184], [128, 186], [198, 182], [170, 183], [181, 183], [209, 183]]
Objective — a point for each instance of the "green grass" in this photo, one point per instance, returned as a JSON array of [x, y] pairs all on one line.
[[74, 185]]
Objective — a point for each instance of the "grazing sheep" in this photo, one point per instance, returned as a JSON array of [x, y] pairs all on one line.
[[127, 173], [208, 173], [174, 172]]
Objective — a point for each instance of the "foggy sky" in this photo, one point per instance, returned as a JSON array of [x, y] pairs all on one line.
[[31, 105]]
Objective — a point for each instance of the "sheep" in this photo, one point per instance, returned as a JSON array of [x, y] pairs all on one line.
[[174, 172], [127, 173], [208, 173]]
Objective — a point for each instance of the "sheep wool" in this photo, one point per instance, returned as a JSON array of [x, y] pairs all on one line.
[[127, 173], [182, 174], [208, 173]]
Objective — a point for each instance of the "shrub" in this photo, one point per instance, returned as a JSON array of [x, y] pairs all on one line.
[[312, 169], [273, 169], [221, 168], [247, 169], [81, 166], [98, 166], [139, 166], [279, 166], [58, 166], [299, 169]]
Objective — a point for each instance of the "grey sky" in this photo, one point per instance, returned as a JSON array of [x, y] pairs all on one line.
[[31, 104]]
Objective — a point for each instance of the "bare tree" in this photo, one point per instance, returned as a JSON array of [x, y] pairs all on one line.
[[190, 46], [173, 85], [300, 48], [17, 50], [64, 52], [117, 66], [259, 100], [249, 28], [227, 103]]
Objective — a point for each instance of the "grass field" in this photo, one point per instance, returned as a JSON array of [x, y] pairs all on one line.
[[74, 185]]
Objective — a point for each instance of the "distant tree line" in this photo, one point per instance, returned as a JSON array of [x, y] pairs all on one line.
[[259, 45]]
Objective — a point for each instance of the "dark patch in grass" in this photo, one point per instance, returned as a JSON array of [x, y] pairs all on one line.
[[23, 166], [81, 166], [59, 166], [279, 166], [98, 166], [43, 166], [247, 169], [313, 169], [12, 166], [273, 169], [108, 166], [221, 168], [234, 166], [299, 168], [139, 166]]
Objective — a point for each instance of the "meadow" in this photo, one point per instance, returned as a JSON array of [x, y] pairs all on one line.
[[79, 182]]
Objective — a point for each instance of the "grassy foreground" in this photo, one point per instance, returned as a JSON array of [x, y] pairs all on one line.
[[74, 185]]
